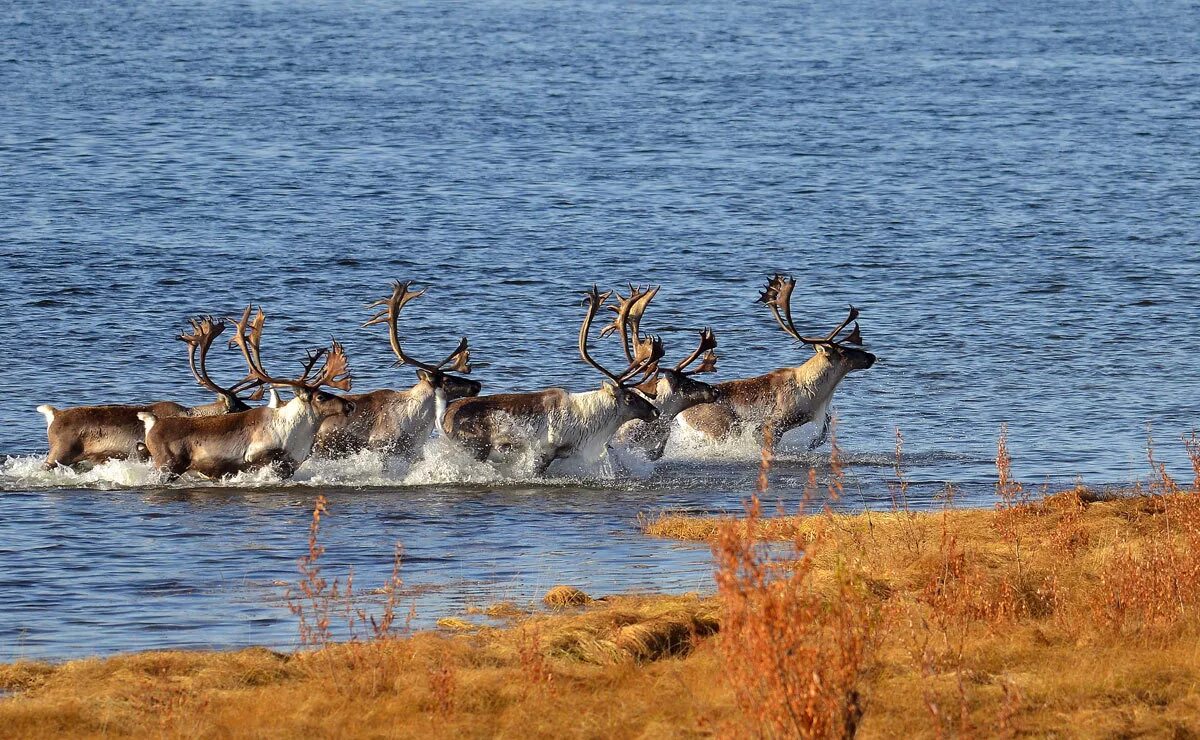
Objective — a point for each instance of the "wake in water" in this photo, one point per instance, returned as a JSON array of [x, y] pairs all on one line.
[[441, 463]]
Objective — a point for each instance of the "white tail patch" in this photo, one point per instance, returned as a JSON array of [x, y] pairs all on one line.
[[148, 419], [47, 411], [273, 401]]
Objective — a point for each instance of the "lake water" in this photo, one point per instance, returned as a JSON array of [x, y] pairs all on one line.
[[1007, 191]]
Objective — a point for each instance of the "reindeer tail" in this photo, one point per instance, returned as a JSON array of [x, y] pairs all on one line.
[[47, 411], [148, 419]]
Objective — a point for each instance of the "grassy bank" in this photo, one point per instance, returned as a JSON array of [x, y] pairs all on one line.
[[1074, 614], [616, 668]]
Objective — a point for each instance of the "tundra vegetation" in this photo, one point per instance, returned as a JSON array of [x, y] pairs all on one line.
[[1072, 613]]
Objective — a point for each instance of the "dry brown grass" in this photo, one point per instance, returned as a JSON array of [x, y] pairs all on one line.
[[1078, 613], [565, 597], [614, 669]]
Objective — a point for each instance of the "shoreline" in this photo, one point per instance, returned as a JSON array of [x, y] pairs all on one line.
[[1077, 609]]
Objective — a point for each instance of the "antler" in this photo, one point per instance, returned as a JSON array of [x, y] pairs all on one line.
[[707, 347], [647, 355], [778, 297], [334, 373], [311, 358], [628, 320], [459, 360], [854, 337], [205, 329]]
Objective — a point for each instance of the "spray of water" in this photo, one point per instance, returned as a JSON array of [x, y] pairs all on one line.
[[441, 462]]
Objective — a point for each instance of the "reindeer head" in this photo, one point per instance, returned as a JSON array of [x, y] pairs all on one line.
[[680, 381], [778, 297], [334, 372], [438, 376]]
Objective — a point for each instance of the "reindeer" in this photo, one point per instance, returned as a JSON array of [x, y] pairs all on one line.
[[672, 389], [787, 398], [398, 422], [553, 424], [282, 437], [93, 434]]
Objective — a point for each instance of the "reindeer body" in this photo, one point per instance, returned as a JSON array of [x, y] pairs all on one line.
[[388, 421], [781, 400], [216, 446], [95, 434], [784, 399], [552, 424]]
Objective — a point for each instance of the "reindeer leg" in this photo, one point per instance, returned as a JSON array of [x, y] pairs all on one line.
[[655, 452], [277, 460], [285, 468], [542, 463], [480, 451], [175, 467], [67, 455], [822, 436]]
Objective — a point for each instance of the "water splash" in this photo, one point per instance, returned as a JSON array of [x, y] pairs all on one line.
[[26, 472]]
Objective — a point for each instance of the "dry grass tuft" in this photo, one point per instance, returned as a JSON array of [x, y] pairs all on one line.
[[499, 610], [794, 646], [565, 597]]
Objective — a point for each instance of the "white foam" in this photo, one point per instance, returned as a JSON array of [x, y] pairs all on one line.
[[442, 462], [26, 472]]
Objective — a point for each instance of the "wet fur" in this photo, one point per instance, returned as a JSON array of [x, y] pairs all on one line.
[[389, 421], [551, 424]]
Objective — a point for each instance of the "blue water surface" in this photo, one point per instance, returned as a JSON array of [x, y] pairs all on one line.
[[1007, 191]]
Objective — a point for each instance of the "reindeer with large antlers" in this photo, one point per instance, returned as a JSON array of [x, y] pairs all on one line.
[[282, 437], [787, 398], [93, 434], [398, 422], [673, 389], [553, 424]]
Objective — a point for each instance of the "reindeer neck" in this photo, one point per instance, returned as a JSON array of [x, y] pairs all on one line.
[[295, 411], [422, 389], [596, 406], [820, 375]]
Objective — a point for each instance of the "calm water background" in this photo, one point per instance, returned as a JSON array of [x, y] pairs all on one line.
[[1007, 191]]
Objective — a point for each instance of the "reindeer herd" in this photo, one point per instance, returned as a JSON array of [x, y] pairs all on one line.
[[635, 408]]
